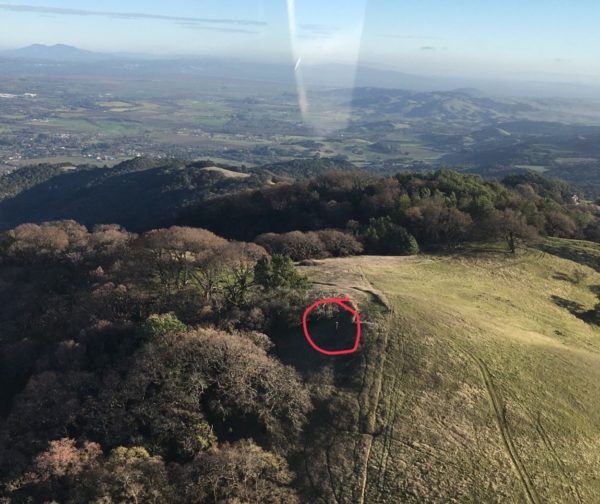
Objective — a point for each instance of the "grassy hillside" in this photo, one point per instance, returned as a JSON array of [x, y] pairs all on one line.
[[476, 382]]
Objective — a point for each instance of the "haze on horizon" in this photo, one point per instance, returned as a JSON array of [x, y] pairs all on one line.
[[538, 39]]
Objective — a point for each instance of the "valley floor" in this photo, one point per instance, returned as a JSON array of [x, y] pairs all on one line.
[[476, 382]]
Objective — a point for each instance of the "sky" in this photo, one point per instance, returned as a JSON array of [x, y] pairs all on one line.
[[556, 40]]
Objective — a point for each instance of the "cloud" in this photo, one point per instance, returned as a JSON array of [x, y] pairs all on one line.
[[196, 26], [408, 37], [427, 48], [124, 15], [316, 30]]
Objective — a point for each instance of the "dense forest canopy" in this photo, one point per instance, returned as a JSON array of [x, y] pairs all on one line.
[[133, 363], [442, 209]]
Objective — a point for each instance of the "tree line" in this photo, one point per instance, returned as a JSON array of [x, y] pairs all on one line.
[[400, 214]]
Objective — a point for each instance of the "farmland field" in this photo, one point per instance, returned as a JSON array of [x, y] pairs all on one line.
[[254, 123]]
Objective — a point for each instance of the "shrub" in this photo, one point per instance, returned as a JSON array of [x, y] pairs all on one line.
[[278, 272], [339, 244], [383, 236], [157, 326], [296, 244]]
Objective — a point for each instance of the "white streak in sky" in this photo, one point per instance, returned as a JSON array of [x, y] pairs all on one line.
[[320, 42], [302, 97]]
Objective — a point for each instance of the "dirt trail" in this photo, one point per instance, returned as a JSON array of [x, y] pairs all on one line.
[[499, 411], [372, 396], [368, 422], [363, 474]]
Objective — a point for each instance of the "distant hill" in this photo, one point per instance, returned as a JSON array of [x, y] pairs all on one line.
[[458, 105], [140, 193], [137, 194], [27, 177], [306, 168], [57, 52]]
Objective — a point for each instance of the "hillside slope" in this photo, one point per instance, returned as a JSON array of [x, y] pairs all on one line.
[[476, 383], [137, 194], [140, 193]]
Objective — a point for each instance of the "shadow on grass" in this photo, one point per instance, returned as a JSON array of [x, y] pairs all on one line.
[[292, 348], [572, 252], [576, 309], [563, 277]]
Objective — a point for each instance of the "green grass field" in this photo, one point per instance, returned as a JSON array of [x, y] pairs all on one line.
[[477, 381]]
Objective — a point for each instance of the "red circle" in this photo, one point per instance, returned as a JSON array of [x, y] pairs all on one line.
[[341, 302]]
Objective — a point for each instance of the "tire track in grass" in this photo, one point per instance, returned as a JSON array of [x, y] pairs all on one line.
[[330, 474], [499, 410], [394, 401], [367, 425], [388, 439], [311, 482], [554, 454], [356, 454], [369, 398], [363, 475], [358, 469], [386, 443], [371, 418]]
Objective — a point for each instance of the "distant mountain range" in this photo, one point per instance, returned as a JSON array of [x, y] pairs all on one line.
[[322, 75], [57, 52], [65, 60]]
